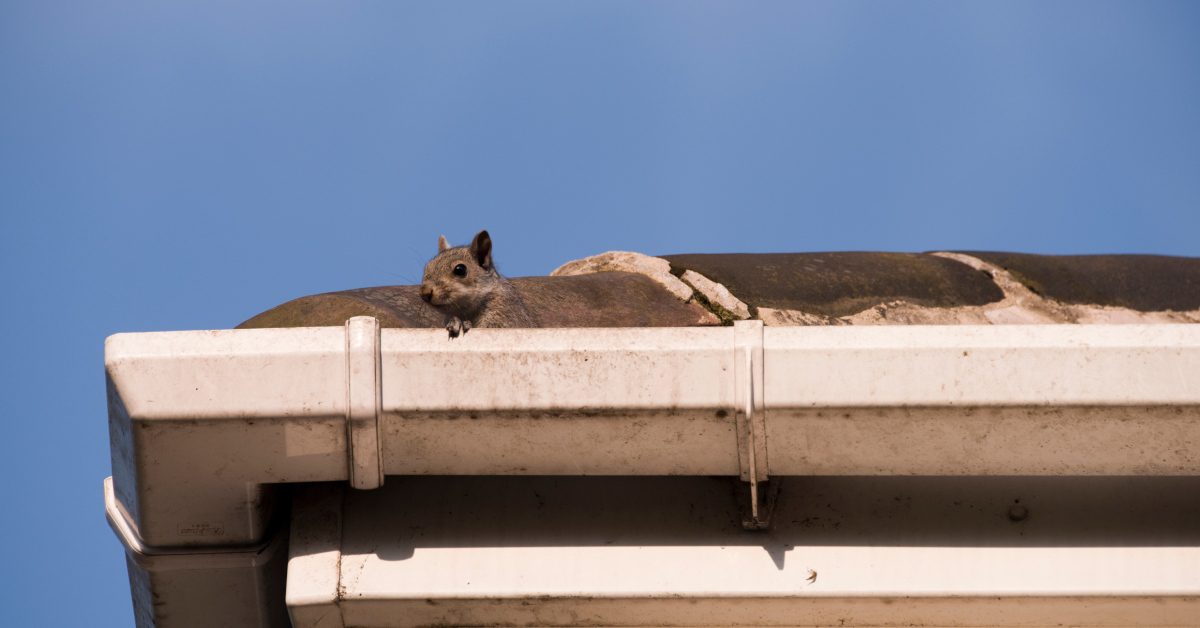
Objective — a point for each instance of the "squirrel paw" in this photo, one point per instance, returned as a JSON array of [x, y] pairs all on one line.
[[456, 326]]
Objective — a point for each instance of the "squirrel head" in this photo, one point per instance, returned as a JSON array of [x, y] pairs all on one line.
[[460, 280]]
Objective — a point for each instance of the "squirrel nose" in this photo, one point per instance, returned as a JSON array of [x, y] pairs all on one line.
[[426, 294]]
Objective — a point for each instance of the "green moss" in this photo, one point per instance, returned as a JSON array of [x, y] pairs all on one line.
[[717, 309]]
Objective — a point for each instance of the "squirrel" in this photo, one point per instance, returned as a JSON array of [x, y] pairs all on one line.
[[462, 282]]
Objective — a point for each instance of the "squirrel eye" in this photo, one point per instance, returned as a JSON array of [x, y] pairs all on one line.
[[460, 270]]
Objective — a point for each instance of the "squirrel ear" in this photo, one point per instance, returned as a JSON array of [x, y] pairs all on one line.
[[481, 249], [442, 243]]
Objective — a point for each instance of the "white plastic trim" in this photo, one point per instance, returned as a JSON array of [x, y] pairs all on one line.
[[203, 422], [221, 411], [157, 559], [869, 551]]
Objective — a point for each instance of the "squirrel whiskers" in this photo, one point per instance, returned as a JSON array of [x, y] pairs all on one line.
[[463, 283]]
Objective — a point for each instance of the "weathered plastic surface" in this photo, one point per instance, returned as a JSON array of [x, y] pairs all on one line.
[[200, 588], [197, 417], [845, 551], [205, 424], [1019, 400]]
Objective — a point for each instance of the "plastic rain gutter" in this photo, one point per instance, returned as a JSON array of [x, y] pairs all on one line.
[[205, 425]]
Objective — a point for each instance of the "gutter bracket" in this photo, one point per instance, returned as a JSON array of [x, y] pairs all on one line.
[[363, 402], [752, 424]]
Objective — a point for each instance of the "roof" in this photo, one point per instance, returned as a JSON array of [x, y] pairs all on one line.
[[625, 289]]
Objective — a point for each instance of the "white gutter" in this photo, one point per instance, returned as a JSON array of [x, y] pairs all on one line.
[[204, 423]]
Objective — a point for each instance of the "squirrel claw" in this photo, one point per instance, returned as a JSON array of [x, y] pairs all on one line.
[[456, 326]]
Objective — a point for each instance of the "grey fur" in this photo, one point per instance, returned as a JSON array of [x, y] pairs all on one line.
[[480, 297]]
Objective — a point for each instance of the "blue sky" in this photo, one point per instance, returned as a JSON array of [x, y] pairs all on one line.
[[183, 166]]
